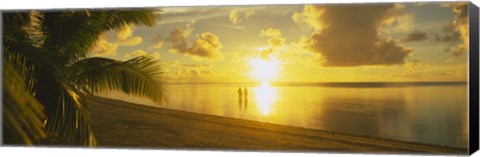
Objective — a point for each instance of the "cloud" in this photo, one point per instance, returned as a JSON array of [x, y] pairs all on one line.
[[157, 45], [175, 70], [419, 4], [449, 60], [455, 31], [205, 46], [309, 16], [125, 32], [415, 36], [449, 35], [176, 15], [414, 69], [403, 22], [179, 72], [275, 40], [232, 26], [131, 41], [173, 15], [399, 6], [103, 47], [265, 54], [177, 40], [155, 55], [125, 36], [461, 25], [275, 35], [134, 53], [235, 16], [137, 53], [348, 35], [271, 32]]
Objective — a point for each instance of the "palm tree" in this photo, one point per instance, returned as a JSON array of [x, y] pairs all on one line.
[[48, 73]]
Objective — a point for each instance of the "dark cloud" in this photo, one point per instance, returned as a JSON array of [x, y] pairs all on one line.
[[457, 30], [461, 9], [348, 35], [415, 36], [461, 23], [456, 51], [453, 36]]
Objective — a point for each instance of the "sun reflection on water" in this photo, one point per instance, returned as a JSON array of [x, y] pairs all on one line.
[[266, 97]]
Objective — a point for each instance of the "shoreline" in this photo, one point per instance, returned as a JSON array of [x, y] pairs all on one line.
[[118, 123]]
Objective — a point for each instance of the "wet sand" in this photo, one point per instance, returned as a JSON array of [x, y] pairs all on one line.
[[119, 124]]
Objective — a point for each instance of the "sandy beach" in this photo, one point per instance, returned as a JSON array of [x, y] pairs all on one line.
[[120, 124]]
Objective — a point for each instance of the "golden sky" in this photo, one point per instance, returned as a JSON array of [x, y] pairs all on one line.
[[384, 42]]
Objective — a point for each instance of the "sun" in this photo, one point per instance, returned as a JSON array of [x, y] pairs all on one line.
[[265, 70]]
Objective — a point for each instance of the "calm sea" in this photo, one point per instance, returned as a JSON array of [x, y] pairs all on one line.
[[433, 113]]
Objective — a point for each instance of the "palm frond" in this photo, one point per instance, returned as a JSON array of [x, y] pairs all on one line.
[[68, 121], [17, 38], [126, 17], [67, 115], [41, 96], [70, 35], [23, 113], [140, 76]]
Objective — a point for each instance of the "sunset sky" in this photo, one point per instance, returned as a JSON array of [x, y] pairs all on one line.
[[302, 43]]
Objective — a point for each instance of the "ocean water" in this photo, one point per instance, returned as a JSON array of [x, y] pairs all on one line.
[[432, 113]]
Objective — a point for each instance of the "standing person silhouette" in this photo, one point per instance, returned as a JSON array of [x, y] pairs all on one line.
[[245, 96], [239, 91], [245, 93]]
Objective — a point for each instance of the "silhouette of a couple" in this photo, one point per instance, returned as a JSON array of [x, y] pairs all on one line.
[[242, 95]]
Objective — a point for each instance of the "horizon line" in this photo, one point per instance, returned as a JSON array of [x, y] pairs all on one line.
[[333, 84], [364, 82]]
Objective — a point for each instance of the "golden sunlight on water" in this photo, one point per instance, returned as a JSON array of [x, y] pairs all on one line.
[[265, 97], [433, 114]]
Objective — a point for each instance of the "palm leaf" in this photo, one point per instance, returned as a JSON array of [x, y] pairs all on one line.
[[140, 76], [41, 94], [67, 115], [64, 119], [23, 114], [69, 120], [70, 35], [17, 37]]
